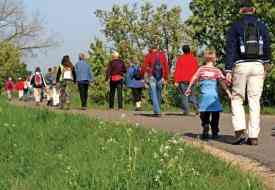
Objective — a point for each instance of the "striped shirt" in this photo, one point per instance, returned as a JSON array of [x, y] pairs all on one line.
[[209, 73]]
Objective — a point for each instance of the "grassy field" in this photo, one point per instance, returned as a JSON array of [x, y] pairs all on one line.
[[53, 151]]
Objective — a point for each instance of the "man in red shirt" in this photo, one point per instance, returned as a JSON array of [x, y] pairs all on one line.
[[186, 67], [155, 70]]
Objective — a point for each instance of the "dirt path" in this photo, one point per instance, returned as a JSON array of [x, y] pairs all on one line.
[[259, 159]]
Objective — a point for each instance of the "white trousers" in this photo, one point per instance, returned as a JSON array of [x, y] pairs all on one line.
[[37, 94], [247, 77], [20, 94], [55, 96]]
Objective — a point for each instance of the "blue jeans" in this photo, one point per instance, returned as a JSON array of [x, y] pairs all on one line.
[[155, 88], [186, 99]]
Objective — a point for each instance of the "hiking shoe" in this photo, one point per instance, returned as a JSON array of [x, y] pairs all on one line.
[[156, 115], [240, 138], [252, 141], [215, 136], [205, 133]]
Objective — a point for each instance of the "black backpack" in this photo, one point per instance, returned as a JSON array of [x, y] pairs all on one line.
[[157, 69], [251, 44]]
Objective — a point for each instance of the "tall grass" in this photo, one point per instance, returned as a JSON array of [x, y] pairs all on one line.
[[44, 150]]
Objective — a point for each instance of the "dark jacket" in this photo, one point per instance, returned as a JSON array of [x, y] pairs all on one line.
[[233, 46], [115, 67]]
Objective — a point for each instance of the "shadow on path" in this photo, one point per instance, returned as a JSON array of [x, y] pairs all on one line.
[[226, 139]]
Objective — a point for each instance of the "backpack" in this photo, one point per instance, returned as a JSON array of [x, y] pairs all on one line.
[[38, 80], [251, 44], [157, 71], [136, 73]]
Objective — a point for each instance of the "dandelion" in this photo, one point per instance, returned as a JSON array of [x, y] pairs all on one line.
[[155, 155]]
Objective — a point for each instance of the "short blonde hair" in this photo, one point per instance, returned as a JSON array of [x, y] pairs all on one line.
[[210, 55]]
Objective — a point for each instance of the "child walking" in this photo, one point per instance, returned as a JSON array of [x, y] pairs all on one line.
[[210, 106]]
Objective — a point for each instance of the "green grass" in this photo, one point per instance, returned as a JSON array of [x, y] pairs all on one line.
[[54, 151]]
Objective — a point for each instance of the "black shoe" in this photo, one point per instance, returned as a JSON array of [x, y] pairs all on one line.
[[252, 142], [240, 138], [215, 136], [205, 133], [156, 115]]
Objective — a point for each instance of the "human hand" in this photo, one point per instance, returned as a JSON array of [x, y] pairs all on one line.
[[229, 77], [187, 92], [176, 84]]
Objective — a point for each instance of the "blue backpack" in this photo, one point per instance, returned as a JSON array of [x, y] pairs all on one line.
[[157, 71]]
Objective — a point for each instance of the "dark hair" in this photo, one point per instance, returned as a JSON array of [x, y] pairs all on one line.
[[50, 69], [37, 69], [66, 62], [186, 49]]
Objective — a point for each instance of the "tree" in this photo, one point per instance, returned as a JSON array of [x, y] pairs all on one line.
[[17, 28], [133, 29], [10, 62], [211, 19]]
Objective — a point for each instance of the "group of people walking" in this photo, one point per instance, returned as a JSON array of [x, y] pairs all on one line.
[[248, 51]]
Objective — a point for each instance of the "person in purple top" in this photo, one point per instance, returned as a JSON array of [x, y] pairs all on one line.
[[115, 74]]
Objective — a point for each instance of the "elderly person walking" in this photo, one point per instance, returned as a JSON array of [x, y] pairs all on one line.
[[115, 74], [248, 51], [83, 78]]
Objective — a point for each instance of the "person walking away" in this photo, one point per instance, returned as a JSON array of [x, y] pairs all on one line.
[[9, 87], [155, 71], [83, 77], [20, 85], [114, 74], [135, 82], [38, 84], [210, 105], [186, 67], [49, 91], [248, 51], [65, 78]]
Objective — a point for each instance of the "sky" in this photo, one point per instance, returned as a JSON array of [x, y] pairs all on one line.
[[75, 25]]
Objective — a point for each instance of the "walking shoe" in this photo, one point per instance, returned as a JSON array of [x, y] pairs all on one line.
[[156, 115], [240, 138], [215, 136], [252, 141], [205, 133]]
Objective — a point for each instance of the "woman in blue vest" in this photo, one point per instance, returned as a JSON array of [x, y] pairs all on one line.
[[135, 81]]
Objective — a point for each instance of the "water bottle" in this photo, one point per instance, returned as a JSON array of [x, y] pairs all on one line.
[[261, 46], [242, 46]]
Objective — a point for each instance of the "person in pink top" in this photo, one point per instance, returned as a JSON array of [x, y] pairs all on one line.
[[9, 87]]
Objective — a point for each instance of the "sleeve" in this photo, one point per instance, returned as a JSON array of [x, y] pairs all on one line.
[[220, 75], [231, 49], [176, 75], [32, 80], [58, 75], [166, 67], [74, 74], [267, 44]]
